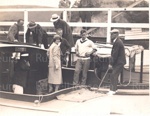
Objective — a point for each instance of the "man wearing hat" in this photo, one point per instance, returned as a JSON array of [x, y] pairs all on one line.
[[13, 33], [117, 60], [39, 35], [67, 32]]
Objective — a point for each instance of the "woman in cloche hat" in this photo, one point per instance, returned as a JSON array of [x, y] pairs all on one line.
[[55, 72]]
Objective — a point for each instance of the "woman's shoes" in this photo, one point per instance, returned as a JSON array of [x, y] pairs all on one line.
[[50, 90]]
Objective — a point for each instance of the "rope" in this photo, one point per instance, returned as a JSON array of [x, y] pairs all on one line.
[[37, 102], [40, 98], [128, 81], [102, 80]]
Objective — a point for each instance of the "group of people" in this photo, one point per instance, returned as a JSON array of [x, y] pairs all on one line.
[[39, 35], [84, 48], [61, 45]]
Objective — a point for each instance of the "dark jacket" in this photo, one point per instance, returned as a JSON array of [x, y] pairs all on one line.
[[13, 33], [64, 46], [67, 32], [118, 53], [64, 4], [39, 36], [85, 4]]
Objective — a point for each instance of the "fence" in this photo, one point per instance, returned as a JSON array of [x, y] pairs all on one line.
[[108, 24]]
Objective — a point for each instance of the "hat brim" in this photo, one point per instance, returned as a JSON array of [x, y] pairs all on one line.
[[31, 27], [57, 37], [114, 31], [53, 20]]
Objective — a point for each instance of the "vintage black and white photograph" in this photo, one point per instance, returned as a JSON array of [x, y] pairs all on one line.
[[74, 57]]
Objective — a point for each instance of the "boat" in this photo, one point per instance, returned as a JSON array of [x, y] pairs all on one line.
[[38, 71], [47, 103]]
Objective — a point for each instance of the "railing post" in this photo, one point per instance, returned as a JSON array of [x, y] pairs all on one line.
[[65, 15], [109, 26], [141, 67], [25, 24]]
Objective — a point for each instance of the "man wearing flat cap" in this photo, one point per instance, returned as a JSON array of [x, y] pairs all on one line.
[[39, 34], [117, 60], [67, 32]]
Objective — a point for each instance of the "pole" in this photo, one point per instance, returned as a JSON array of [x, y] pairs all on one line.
[[25, 24], [141, 68], [109, 26]]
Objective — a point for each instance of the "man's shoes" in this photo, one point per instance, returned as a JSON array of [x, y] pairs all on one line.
[[111, 93]]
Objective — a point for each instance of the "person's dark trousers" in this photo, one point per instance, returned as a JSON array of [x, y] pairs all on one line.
[[117, 69], [85, 17], [45, 41], [27, 40], [63, 59], [35, 39], [61, 15]]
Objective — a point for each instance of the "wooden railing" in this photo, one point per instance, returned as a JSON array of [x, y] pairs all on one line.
[[108, 24]]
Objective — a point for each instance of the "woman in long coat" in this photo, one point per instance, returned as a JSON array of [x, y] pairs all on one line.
[[55, 72]]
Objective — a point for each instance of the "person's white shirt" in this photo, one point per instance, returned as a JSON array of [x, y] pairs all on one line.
[[82, 47], [114, 40]]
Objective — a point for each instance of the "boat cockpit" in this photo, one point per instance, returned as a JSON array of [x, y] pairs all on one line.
[[10, 54]]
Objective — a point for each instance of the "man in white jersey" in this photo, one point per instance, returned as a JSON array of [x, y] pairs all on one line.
[[84, 49]]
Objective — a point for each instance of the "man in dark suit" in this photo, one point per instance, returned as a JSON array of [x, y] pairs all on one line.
[[67, 32], [117, 60], [38, 33], [64, 46]]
